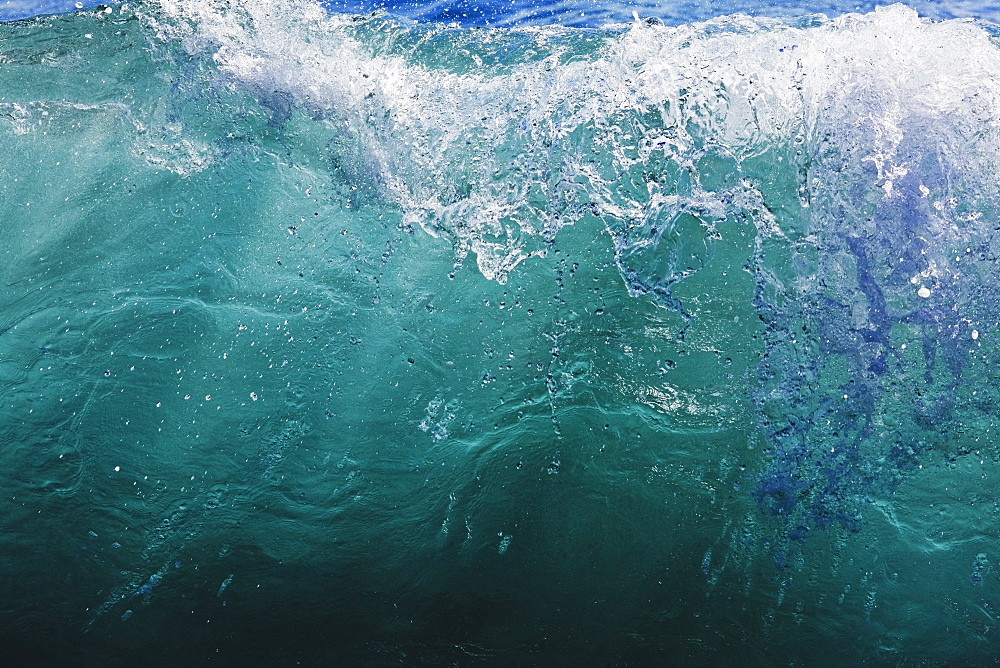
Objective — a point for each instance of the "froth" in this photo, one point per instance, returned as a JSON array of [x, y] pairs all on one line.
[[497, 158]]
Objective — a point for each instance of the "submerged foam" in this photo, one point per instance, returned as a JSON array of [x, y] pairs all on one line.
[[847, 164]]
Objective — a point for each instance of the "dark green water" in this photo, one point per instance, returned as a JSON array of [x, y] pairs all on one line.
[[336, 341]]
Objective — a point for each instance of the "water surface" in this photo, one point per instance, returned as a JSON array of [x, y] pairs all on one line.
[[349, 338]]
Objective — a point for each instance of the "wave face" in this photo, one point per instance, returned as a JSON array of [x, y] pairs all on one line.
[[347, 338]]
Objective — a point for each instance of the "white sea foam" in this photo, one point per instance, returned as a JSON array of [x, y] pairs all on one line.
[[498, 159]]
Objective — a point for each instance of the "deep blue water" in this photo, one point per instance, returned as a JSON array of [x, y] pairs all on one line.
[[582, 13]]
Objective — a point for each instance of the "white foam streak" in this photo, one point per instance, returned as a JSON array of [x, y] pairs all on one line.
[[429, 136]]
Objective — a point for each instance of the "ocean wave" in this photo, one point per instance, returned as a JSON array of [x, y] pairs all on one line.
[[697, 304]]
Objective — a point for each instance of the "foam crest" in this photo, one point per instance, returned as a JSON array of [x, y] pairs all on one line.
[[497, 157]]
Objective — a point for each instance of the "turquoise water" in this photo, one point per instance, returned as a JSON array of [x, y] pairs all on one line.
[[333, 339]]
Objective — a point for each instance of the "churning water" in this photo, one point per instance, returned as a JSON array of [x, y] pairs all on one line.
[[333, 339]]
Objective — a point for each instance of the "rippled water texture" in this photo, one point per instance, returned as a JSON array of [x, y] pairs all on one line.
[[344, 339]]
